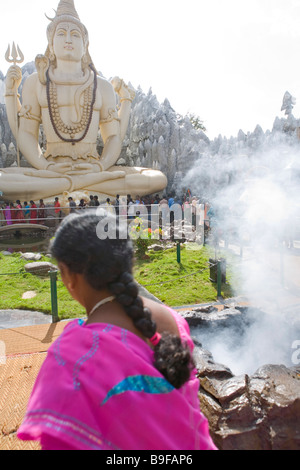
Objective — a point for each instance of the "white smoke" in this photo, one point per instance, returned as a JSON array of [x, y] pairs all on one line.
[[257, 200]]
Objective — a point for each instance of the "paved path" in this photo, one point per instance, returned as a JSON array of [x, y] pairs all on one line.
[[19, 318], [24, 352]]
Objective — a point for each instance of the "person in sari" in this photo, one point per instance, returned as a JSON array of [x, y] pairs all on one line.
[[7, 214], [41, 212], [19, 215], [2, 216], [13, 213], [124, 379], [26, 208], [33, 213]]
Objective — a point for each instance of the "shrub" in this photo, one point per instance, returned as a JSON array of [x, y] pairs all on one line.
[[142, 235]]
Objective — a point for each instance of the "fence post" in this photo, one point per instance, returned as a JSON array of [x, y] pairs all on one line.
[[204, 237], [54, 305], [178, 253], [219, 278]]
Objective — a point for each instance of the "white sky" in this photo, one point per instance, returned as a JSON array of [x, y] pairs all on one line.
[[228, 61]]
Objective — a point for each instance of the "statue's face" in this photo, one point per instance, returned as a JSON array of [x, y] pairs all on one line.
[[68, 43]]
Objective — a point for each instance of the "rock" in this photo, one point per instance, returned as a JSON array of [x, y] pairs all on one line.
[[212, 410], [205, 316], [156, 247], [258, 412], [276, 389], [194, 317], [31, 256], [225, 390], [207, 367], [6, 253], [29, 295], [39, 268]]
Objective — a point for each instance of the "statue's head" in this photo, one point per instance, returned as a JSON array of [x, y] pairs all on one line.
[[67, 22]]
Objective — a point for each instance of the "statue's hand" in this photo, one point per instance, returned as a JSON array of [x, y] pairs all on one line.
[[88, 180], [125, 92], [42, 174], [64, 168], [82, 168], [13, 78], [111, 175]]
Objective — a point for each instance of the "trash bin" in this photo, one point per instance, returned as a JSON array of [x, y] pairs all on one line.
[[214, 269]]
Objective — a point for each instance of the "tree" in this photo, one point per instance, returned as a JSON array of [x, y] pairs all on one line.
[[196, 122], [288, 103]]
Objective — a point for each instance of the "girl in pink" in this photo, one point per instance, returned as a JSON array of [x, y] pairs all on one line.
[[7, 214], [123, 379]]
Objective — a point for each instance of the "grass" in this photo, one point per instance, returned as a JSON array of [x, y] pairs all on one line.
[[153, 273], [174, 284], [12, 287]]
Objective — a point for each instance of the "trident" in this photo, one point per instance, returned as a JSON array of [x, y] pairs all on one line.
[[15, 56]]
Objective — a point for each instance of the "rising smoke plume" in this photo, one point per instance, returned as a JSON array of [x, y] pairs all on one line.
[[256, 199]]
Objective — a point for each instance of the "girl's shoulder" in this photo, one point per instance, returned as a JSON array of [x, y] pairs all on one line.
[[168, 319]]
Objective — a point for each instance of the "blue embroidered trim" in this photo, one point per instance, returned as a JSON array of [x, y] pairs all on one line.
[[140, 383], [108, 328], [56, 348], [124, 337], [84, 359]]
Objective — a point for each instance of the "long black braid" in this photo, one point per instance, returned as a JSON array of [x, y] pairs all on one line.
[[108, 264], [126, 292]]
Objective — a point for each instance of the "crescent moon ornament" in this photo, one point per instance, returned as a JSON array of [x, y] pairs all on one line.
[[48, 17]]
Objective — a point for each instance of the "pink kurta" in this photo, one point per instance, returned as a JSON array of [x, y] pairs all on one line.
[[98, 389], [7, 215]]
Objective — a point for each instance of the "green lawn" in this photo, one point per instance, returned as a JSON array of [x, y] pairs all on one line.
[[12, 288], [176, 284], [153, 273]]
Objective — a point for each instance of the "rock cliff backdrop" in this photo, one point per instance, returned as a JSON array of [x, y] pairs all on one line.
[[159, 138]]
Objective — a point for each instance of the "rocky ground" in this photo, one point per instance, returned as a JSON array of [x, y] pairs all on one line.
[[247, 412]]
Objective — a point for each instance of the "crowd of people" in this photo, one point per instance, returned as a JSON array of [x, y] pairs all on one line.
[[18, 213], [37, 213]]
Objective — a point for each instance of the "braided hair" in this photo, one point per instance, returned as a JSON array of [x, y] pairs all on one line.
[[107, 263]]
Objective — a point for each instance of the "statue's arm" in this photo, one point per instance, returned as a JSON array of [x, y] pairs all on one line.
[[109, 126], [12, 102], [30, 119], [126, 95]]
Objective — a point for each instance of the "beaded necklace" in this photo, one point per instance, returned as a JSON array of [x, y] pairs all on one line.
[[87, 114]]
